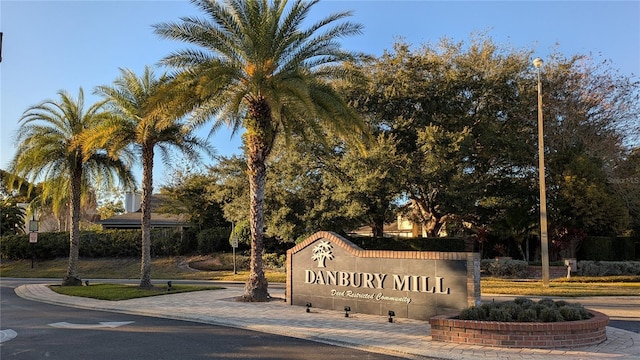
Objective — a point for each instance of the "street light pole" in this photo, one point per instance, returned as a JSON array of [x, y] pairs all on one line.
[[544, 238]]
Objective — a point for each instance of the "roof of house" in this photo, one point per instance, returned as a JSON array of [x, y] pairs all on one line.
[[134, 220]]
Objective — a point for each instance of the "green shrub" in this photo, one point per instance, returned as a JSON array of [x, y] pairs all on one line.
[[274, 261], [473, 313], [546, 302], [597, 248], [50, 246], [111, 243], [537, 308], [499, 314], [526, 310], [486, 307], [527, 315], [512, 309], [214, 240], [95, 244], [505, 268], [624, 248], [525, 303], [608, 268], [549, 314], [242, 233], [570, 313]]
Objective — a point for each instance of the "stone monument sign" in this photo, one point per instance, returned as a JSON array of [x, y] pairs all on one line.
[[331, 272]]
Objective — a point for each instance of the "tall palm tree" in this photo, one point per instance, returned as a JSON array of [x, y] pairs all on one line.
[[258, 68], [145, 123], [50, 150]]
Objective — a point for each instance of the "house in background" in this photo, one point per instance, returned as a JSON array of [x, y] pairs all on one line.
[[132, 218], [50, 222], [402, 227]]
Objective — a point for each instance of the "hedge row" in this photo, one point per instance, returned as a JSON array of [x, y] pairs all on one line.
[[605, 248], [608, 268], [508, 268], [526, 310], [114, 243], [410, 244]]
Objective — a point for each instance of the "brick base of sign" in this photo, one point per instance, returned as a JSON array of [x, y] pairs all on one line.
[[521, 335]]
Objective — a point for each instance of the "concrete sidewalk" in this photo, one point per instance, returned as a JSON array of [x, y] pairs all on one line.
[[404, 337]]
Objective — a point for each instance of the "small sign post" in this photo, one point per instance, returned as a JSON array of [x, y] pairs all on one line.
[[234, 245], [33, 237]]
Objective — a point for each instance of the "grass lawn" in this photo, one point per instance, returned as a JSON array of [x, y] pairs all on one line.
[[176, 269], [124, 268], [124, 292], [574, 287]]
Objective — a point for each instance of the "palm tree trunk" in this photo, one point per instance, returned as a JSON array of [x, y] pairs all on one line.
[[147, 190], [71, 278], [256, 286], [259, 141]]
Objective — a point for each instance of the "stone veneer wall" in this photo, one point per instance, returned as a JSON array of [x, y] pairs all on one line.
[[521, 335]]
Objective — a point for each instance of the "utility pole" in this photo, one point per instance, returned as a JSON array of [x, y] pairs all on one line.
[[544, 238]]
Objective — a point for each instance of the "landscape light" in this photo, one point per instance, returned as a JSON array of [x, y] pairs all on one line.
[[308, 307], [346, 311], [391, 315], [169, 286]]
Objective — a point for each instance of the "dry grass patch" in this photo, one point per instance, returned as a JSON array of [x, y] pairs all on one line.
[[606, 286]]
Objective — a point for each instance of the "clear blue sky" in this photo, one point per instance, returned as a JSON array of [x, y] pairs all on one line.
[[54, 45]]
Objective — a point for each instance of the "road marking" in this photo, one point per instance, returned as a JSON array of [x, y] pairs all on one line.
[[102, 325], [6, 335]]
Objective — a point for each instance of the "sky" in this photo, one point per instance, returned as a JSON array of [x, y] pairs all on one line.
[[50, 46]]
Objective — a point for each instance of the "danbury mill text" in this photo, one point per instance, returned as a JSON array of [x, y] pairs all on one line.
[[415, 283]]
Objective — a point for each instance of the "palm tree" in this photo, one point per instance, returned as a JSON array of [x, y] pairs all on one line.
[[146, 123], [49, 149], [11, 217], [259, 69]]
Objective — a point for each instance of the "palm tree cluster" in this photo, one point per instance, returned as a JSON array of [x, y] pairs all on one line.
[[256, 66], [50, 148]]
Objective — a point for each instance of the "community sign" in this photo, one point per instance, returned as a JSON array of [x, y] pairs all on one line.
[[330, 272]]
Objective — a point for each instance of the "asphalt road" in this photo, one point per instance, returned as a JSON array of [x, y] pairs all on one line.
[[33, 330]]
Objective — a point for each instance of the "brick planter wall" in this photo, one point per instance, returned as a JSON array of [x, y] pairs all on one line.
[[521, 335]]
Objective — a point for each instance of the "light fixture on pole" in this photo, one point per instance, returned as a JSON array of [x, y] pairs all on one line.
[[544, 238]]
